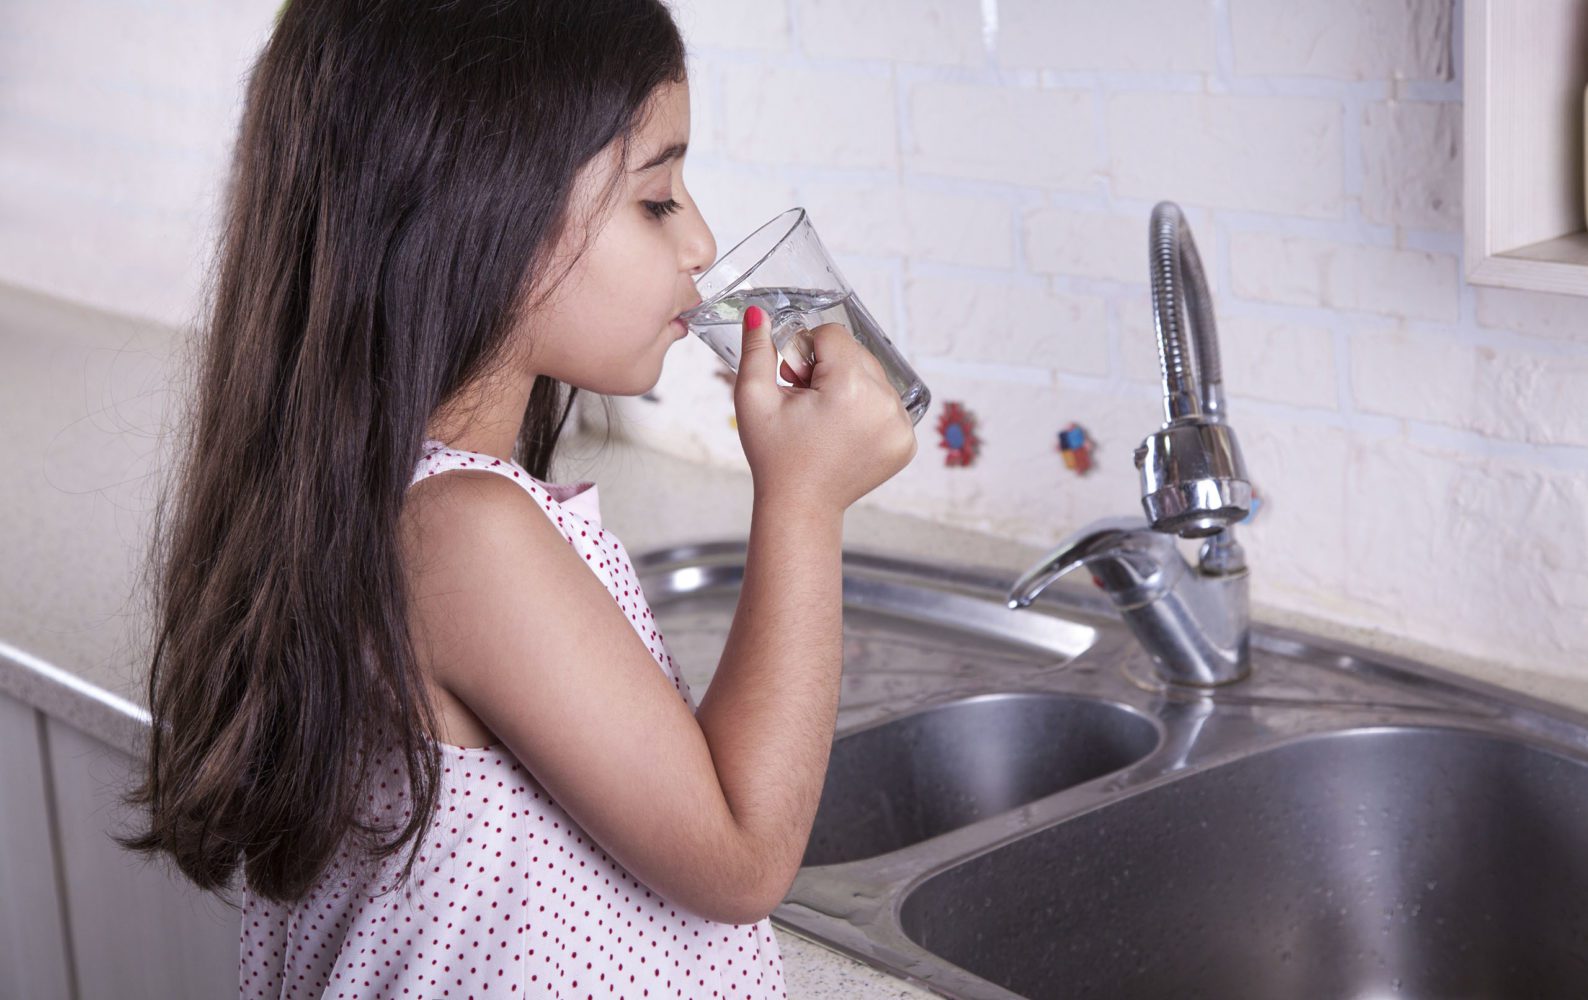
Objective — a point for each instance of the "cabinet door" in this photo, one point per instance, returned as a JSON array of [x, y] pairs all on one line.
[[33, 960], [135, 929]]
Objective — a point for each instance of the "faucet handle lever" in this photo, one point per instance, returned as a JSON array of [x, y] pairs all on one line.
[[1132, 552]]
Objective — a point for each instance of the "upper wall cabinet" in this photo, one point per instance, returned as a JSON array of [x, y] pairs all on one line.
[[1525, 63]]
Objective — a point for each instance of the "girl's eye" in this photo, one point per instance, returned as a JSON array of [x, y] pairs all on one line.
[[660, 209]]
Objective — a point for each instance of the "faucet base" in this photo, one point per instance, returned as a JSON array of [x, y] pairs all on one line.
[[1193, 625], [1147, 674]]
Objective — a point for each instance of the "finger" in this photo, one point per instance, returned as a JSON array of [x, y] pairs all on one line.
[[831, 344], [756, 353], [792, 376]]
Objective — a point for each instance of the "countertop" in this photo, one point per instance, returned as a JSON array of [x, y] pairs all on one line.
[[83, 398]]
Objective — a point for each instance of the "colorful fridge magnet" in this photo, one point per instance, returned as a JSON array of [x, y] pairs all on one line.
[[956, 434], [1076, 448]]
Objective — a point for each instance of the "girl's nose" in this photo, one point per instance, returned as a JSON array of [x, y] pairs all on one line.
[[701, 250]]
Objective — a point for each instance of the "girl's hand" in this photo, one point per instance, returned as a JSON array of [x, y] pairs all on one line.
[[826, 444]]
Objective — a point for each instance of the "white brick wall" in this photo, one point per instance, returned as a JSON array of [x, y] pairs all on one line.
[[1019, 135], [802, 116], [1269, 154], [1135, 35], [1538, 398], [1343, 39], [980, 320], [953, 227], [943, 32], [1554, 317], [1278, 361], [757, 27], [1398, 134], [115, 127], [984, 170], [1085, 243], [1412, 283]]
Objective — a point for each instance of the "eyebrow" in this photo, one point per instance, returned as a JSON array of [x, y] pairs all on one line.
[[677, 149]]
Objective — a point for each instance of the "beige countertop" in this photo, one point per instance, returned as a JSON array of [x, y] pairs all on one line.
[[83, 396]]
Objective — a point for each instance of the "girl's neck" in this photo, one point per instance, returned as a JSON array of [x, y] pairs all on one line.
[[480, 444], [486, 419]]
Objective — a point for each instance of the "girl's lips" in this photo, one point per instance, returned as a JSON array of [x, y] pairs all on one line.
[[681, 327]]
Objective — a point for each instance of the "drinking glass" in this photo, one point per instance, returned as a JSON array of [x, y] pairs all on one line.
[[784, 268]]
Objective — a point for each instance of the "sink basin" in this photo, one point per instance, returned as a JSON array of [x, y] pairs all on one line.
[[1017, 805], [1370, 863], [899, 782]]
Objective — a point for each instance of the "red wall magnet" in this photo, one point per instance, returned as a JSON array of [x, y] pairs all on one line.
[[956, 432]]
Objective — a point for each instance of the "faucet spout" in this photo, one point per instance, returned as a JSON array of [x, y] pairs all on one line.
[[1188, 346], [1122, 553], [1193, 478]]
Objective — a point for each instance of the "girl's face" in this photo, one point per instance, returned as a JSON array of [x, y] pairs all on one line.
[[607, 326]]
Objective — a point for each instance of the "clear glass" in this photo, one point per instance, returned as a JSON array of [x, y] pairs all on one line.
[[783, 268]]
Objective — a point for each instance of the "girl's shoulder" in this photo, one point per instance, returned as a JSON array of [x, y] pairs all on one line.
[[468, 522], [571, 504], [465, 536]]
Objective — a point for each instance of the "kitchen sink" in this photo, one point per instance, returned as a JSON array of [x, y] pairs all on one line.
[[1373, 862], [905, 780], [1018, 805]]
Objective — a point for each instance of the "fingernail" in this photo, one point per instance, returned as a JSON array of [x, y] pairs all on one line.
[[753, 317]]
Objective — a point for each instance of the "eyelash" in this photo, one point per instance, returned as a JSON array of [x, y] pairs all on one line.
[[659, 209]]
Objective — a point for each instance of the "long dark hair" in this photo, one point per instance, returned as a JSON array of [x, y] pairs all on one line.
[[399, 185]]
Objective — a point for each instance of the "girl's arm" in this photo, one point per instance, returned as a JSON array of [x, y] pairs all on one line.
[[510, 620], [770, 709]]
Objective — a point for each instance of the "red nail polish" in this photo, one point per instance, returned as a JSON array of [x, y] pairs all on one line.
[[753, 317]]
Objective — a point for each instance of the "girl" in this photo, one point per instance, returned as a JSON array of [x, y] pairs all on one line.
[[374, 615]]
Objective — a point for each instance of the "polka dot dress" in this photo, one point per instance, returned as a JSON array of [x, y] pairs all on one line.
[[508, 896]]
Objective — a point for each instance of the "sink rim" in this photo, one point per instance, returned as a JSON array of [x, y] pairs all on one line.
[[948, 697], [1065, 598]]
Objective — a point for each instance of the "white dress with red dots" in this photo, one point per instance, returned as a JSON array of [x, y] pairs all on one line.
[[509, 897]]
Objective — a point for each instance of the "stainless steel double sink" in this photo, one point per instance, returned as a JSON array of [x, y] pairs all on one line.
[[1015, 805]]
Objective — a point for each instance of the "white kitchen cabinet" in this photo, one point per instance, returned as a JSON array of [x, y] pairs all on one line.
[[82, 917], [33, 957], [1524, 66]]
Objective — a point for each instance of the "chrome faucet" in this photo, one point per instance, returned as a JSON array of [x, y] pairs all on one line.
[[1193, 621]]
